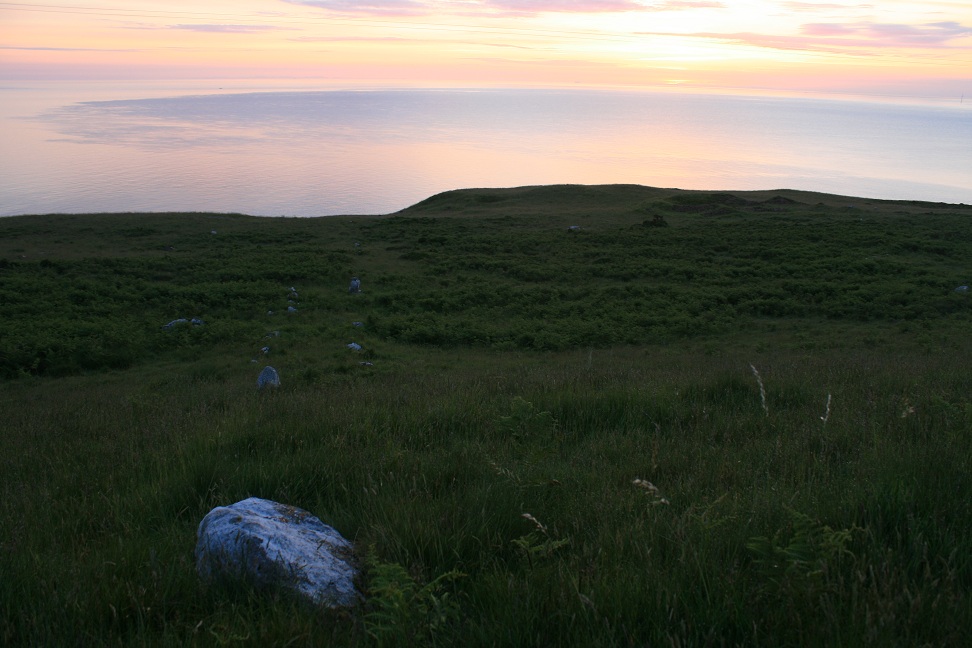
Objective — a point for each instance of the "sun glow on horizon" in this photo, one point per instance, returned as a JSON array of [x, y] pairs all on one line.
[[903, 47]]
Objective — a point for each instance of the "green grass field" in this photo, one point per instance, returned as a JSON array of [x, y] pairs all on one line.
[[738, 418]]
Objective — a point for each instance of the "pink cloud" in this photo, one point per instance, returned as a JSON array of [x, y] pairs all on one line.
[[562, 6], [826, 29], [354, 39], [382, 7], [65, 49], [817, 6], [799, 43], [891, 34], [226, 29], [398, 39], [569, 64], [850, 38], [930, 35], [680, 5], [482, 7]]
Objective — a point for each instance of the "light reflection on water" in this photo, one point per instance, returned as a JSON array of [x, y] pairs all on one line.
[[342, 152]]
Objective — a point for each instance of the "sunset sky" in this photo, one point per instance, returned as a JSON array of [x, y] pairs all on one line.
[[905, 48]]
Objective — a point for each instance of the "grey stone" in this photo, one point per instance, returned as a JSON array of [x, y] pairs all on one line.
[[268, 378], [355, 287], [354, 346], [273, 545], [195, 321], [291, 309], [174, 323], [962, 289]]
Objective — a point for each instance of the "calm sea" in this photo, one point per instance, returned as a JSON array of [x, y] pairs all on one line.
[[311, 153]]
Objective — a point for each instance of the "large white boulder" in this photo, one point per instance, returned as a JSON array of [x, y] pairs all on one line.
[[273, 545]]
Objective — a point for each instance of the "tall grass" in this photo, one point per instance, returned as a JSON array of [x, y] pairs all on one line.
[[797, 478], [106, 479]]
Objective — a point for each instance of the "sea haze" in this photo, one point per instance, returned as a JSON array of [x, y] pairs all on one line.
[[314, 153]]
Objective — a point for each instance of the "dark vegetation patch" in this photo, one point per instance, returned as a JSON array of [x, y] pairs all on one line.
[[646, 266]]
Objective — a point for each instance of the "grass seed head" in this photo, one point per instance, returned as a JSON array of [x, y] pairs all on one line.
[[651, 490], [535, 521], [826, 415], [762, 389], [647, 485]]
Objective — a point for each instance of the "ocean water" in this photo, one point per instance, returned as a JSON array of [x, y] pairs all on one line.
[[324, 152]]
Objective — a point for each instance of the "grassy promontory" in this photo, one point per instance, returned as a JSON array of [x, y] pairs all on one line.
[[590, 416]]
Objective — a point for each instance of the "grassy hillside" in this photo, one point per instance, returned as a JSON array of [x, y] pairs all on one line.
[[489, 269], [784, 373]]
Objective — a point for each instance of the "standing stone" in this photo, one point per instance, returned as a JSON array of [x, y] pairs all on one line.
[[273, 545], [355, 287], [268, 378]]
